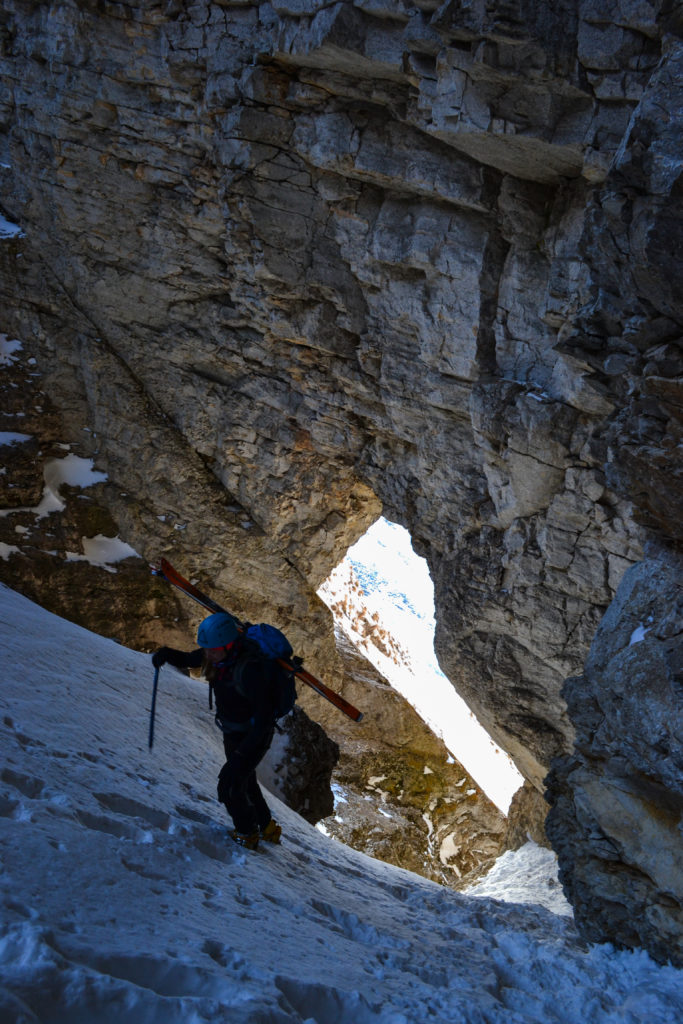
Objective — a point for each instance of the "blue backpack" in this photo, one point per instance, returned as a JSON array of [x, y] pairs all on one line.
[[273, 644]]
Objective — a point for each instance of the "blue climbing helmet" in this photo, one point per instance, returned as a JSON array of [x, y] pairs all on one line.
[[219, 630]]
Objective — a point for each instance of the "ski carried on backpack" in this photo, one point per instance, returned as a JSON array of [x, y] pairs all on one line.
[[172, 576]]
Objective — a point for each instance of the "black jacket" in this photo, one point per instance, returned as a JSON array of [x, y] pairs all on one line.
[[244, 689]]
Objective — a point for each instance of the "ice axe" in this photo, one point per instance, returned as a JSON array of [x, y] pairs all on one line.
[[154, 704]]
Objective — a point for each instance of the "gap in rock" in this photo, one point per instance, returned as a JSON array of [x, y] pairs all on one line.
[[382, 597]]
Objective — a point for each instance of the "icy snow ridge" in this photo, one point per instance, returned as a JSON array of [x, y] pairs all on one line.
[[122, 899]]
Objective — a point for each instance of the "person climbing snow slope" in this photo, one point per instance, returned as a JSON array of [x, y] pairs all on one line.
[[242, 681]]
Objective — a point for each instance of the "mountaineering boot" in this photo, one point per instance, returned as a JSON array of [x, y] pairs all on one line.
[[248, 839], [272, 832]]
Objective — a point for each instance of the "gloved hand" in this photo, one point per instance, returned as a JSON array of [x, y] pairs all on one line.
[[160, 657]]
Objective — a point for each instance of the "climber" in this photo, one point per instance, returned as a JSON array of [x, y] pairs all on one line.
[[245, 711]]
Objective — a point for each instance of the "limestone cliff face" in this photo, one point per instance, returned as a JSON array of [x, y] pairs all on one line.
[[617, 801], [296, 262]]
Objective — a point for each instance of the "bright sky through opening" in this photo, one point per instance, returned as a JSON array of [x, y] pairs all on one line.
[[397, 585]]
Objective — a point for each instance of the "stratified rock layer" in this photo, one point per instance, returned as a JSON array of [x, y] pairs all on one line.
[[294, 263], [617, 815]]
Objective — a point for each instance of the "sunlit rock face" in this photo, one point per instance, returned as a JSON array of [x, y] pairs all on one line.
[[296, 263], [401, 797], [618, 800]]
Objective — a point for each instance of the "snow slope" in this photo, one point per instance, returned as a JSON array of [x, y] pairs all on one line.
[[122, 899]]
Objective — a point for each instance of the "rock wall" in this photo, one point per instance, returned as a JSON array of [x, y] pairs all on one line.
[[295, 262], [299, 765], [617, 803]]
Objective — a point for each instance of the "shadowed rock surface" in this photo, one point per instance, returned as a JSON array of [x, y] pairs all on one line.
[[617, 801]]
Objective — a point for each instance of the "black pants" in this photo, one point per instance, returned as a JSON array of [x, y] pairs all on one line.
[[238, 788]]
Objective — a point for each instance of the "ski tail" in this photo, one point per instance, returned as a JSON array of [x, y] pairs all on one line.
[[334, 698], [172, 576]]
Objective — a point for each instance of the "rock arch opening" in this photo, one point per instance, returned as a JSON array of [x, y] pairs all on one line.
[[382, 598]]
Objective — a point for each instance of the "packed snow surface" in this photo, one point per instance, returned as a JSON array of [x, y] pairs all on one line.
[[528, 875], [122, 898]]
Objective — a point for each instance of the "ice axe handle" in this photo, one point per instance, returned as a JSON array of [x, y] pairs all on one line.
[[154, 704]]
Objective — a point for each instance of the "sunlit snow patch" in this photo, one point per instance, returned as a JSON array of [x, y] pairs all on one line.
[[8, 437], [72, 471], [8, 346], [398, 588], [527, 875], [8, 229], [103, 551], [639, 634]]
